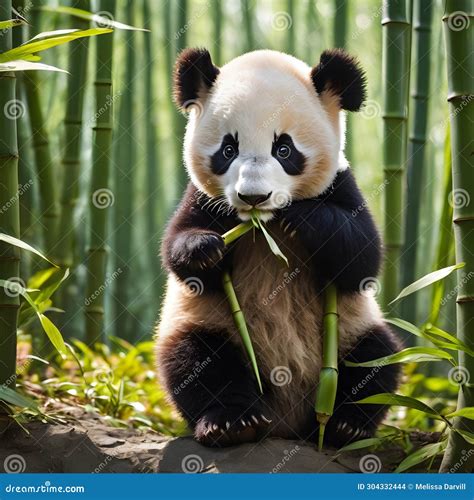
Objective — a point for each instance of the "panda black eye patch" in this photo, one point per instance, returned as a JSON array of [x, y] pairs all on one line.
[[225, 155], [284, 150]]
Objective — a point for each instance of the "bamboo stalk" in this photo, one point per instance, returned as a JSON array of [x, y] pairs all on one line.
[[125, 156], [9, 217], [156, 206], [445, 244], [181, 37], [247, 18], [73, 129], [290, 38], [44, 165], [217, 31], [395, 73], [416, 150], [458, 21], [100, 180], [327, 387]]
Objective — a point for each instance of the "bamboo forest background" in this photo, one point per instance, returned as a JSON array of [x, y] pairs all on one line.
[[101, 171], [146, 172]]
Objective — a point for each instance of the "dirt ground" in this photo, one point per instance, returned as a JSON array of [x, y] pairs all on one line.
[[86, 444]]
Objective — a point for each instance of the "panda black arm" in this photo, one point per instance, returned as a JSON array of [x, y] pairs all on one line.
[[192, 246], [338, 231]]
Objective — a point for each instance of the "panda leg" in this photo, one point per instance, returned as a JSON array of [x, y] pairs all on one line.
[[212, 385], [351, 422]]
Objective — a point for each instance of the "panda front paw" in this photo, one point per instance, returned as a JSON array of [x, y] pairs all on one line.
[[198, 250], [221, 427], [340, 433], [297, 216]]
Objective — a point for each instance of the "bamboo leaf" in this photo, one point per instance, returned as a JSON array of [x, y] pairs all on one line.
[[408, 355], [363, 443], [23, 65], [90, 16], [271, 242], [48, 40], [427, 280], [400, 400], [456, 344], [4, 25], [24, 246], [53, 334], [467, 412], [468, 436], [15, 398], [428, 451], [405, 325]]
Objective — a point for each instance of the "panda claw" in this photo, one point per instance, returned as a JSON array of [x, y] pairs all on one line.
[[243, 422], [255, 419], [227, 425], [265, 419]]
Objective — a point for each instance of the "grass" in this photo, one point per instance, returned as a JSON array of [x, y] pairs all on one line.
[[119, 385]]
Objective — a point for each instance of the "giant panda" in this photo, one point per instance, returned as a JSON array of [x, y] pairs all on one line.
[[266, 132]]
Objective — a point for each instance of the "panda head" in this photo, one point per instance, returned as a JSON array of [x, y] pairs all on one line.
[[265, 129]]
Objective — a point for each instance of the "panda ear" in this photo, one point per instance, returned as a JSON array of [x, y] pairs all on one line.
[[339, 76], [194, 75]]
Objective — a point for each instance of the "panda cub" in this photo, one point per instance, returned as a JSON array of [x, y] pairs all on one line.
[[266, 131]]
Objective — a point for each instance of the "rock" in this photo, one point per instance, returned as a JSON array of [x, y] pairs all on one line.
[[90, 446]]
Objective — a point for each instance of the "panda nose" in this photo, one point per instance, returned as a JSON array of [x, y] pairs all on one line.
[[254, 199]]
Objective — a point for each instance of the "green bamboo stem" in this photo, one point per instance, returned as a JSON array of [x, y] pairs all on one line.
[[247, 9], [156, 206], [45, 168], [395, 73], [9, 218], [217, 19], [445, 244], [327, 387], [416, 150], [241, 324], [73, 129], [125, 173], [290, 32], [341, 8], [101, 161], [460, 65], [179, 119]]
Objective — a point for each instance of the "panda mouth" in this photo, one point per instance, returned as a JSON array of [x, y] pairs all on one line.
[[264, 214]]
